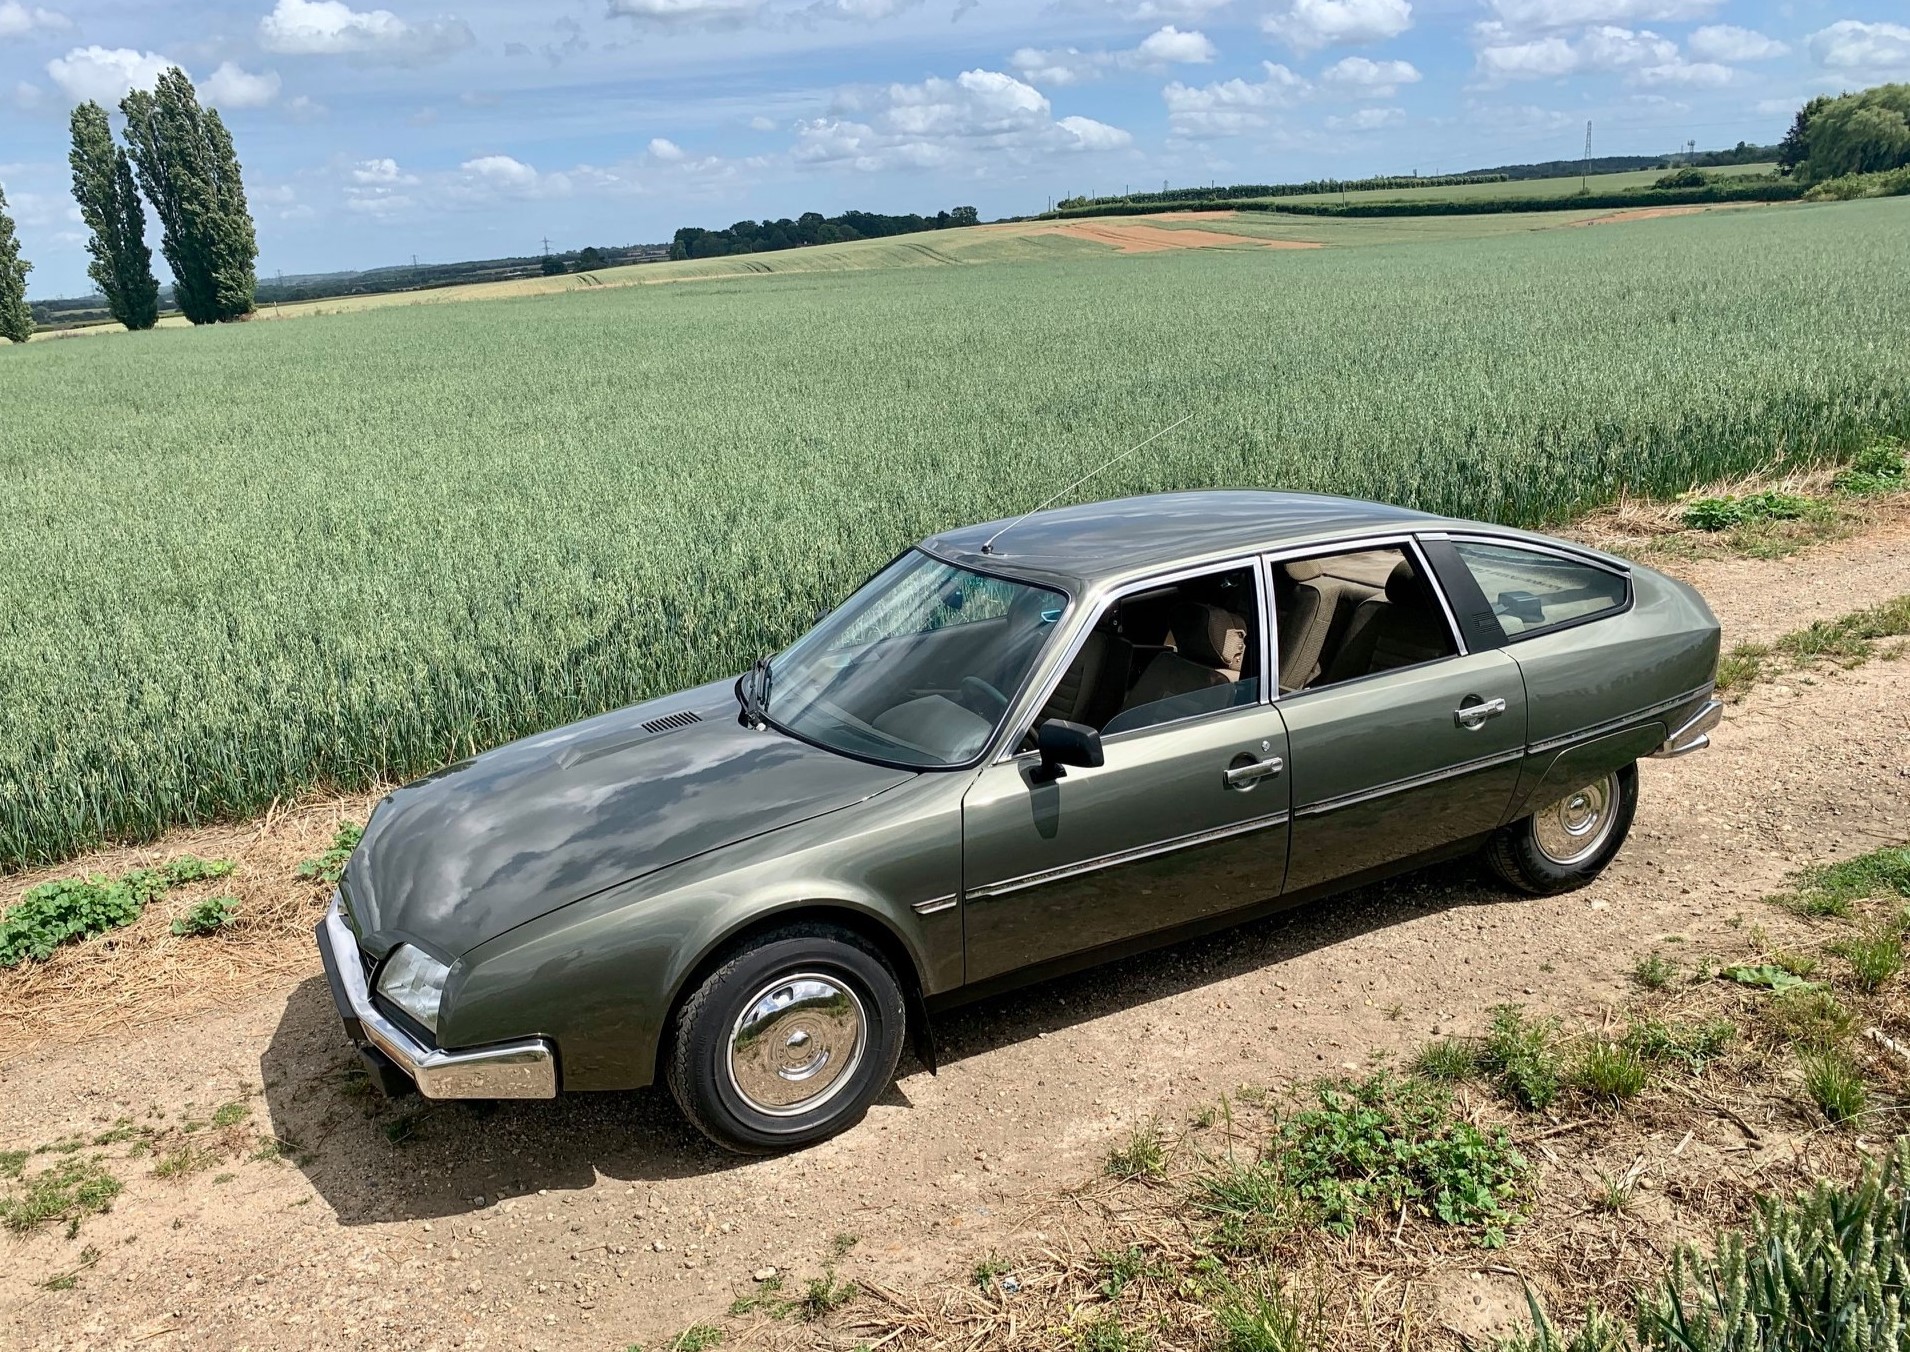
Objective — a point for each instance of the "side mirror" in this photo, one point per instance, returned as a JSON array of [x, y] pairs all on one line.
[[1062, 744]]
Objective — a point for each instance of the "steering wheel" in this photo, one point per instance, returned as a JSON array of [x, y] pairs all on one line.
[[977, 692]]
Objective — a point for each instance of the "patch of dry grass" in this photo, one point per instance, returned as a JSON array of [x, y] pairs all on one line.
[[144, 974]]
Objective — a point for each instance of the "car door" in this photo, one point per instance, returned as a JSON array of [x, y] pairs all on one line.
[[1397, 763], [1184, 820]]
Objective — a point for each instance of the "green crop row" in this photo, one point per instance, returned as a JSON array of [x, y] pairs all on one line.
[[242, 561]]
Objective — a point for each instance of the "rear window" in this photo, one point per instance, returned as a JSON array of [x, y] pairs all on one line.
[[1530, 590]]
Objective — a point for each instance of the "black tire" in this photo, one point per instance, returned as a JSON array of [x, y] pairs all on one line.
[[829, 978], [1519, 852]]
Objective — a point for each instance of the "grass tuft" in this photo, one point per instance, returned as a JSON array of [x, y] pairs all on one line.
[[1142, 1156], [1446, 1061], [1522, 1057], [1255, 1315], [71, 1190], [1834, 1084], [1609, 1071]]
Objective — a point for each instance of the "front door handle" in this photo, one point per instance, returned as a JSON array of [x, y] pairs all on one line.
[[1252, 772], [1473, 716]]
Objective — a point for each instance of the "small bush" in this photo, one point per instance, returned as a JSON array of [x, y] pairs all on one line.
[[329, 868], [1879, 469], [1446, 1061], [1609, 1071], [1834, 1084], [1687, 177], [1107, 1334], [1522, 1057], [67, 910], [1654, 973], [1711, 514], [824, 1295], [208, 917]]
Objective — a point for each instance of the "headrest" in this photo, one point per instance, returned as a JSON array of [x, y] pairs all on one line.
[[1211, 636], [1402, 585], [1305, 570]]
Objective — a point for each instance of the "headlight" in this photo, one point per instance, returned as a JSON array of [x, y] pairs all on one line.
[[413, 980]]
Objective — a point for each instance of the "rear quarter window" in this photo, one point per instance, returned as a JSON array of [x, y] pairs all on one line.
[[1530, 590]]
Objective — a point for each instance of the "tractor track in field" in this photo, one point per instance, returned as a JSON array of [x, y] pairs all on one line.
[[600, 1221]]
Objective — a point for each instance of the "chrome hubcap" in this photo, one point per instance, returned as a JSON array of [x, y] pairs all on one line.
[[796, 1044], [1574, 828]]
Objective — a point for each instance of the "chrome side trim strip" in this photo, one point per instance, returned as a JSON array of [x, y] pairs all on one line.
[[1326, 805], [1695, 733], [1616, 724], [1095, 865], [509, 1070], [934, 905]]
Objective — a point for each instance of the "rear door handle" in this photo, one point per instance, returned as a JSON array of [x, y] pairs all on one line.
[[1472, 717], [1246, 776]]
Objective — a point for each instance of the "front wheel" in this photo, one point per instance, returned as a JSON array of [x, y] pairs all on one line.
[[789, 1041], [1566, 844]]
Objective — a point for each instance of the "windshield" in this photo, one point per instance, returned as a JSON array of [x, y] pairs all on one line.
[[917, 667]]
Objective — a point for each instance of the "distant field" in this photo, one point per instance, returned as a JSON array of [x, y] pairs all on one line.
[[241, 561], [1522, 187]]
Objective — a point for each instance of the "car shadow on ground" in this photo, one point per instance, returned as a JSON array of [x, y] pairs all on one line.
[[376, 1160]]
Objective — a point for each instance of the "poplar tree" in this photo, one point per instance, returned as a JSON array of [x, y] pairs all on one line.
[[190, 173], [16, 320], [122, 265]]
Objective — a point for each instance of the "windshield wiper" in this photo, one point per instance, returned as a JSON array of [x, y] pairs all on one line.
[[753, 691]]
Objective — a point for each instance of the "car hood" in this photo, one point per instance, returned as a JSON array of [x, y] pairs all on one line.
[[482, 846]]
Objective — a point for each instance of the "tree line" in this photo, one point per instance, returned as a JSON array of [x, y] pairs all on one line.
[[180, 157], [811, 227], [1850, 136]]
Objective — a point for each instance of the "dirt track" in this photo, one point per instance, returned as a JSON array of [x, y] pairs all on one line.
[[595, 1222]]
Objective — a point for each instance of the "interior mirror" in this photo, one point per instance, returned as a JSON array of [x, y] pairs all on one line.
[[1062, 744]]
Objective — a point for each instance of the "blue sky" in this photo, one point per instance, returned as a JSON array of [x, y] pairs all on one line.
[[373, 130]]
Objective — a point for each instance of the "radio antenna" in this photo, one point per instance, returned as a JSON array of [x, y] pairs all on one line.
[[988, 545]]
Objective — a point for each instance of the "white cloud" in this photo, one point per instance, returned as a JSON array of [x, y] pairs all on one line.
[[687, 11], [332, 28], [732, 13], [27, 95], [502, 174], [1535, 15], [1230, 107], [106, 74], [761, 123], [1862, 50], [1726, 42], [1368, 119], [1070, 65], [1308, 25], [231, 87], [978, 117], [1174, 46], [1690, 74], [383, 173], [1605, 49], [304, 108], [1091, 135], [18, 20], [1363, 78], [666, 150]]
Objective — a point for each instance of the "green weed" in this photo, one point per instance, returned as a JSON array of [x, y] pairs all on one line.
[[989, 1271], [1106, 1333], [1877, 469], [1522, 1057], [1121, 1268], [1831, 889], [1141, 1156], [1813, 1019], [208, 917], [824, 1295], [1691, 1045], [1654, 972], [1255, 1315], [1447, 1060], [1874, 958], [184, 1161], [329, 867], [1834, 1084], [70, 1191], [67, 910], [1609, 1071]]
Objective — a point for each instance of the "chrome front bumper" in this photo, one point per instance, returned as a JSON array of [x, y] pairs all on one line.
[[1695, 733], [508, 1070]]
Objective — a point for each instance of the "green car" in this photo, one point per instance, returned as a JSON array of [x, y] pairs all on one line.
[[1017, 749]]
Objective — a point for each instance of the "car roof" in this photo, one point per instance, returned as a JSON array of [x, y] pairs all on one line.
[[1085, 547]]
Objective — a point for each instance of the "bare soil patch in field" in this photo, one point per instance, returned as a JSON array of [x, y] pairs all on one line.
[[1656, 213], [1126, 237], [329, 1218]]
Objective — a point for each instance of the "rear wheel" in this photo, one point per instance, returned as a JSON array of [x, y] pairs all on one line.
[[1567, 843], [789, 1041]]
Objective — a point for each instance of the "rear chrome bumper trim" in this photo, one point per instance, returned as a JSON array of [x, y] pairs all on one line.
[[1695, 733], [508, 1070]]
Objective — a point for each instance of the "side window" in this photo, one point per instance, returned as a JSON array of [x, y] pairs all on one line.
[[1529, 590], [1164, 654], [1343, 616]]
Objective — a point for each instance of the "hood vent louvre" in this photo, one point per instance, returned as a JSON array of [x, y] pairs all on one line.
[[671, 722]]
